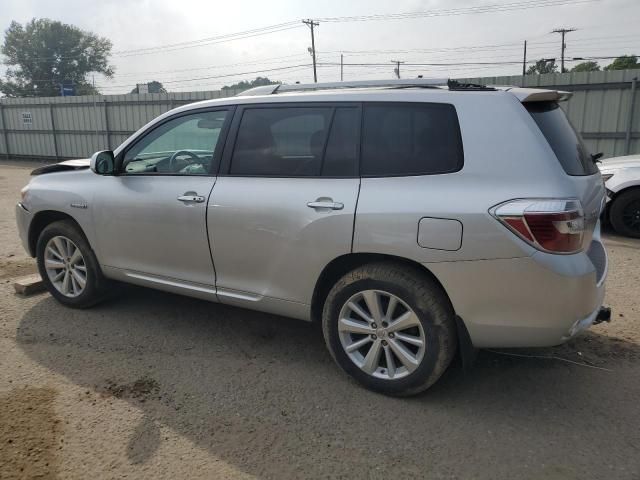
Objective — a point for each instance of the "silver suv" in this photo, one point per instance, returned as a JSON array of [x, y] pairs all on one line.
[[411, 218]]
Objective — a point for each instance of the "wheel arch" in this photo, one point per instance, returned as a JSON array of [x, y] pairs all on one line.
[[339, 266], [625, 189], [44, 218]]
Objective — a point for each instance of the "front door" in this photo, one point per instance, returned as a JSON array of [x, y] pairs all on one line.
[[151, 219], [284, 207]]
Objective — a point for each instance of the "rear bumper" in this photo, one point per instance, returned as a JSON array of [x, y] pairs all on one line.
[[582, 325], [23, 220], [536, 301]]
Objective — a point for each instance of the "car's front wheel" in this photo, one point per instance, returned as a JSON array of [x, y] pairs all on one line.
[[68, 266], [390, 327]]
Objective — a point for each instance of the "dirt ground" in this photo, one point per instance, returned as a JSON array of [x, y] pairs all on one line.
[[152, 385]]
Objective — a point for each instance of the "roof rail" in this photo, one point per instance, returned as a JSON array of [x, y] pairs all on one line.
[[297, 87]]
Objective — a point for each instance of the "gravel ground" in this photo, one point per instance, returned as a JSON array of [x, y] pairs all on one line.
[[152, 385]]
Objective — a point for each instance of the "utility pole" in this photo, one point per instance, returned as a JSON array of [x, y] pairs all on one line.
[[341, 67], [95, 106], [524, 62], [397, 69], [310, 23], [563, 32]]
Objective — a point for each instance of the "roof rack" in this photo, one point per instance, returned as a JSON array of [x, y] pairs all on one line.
[[397, 83], [297, 87]]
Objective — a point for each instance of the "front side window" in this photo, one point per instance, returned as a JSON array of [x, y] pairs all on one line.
[[410, 139], [184, 146], [281, 141]]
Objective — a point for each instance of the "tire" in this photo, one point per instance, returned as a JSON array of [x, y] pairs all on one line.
[[414, 291], [57, 235], [624, 213]]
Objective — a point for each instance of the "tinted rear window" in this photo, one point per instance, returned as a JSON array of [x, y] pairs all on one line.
[[281, 141], [341, 155], [410, 139], [296, 142], [563, 139]]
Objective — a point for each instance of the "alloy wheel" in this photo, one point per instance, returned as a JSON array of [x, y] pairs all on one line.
[[631, 215], [65, 266], [381, 334]]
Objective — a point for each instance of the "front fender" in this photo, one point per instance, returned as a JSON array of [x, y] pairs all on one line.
[[69, 194], [623, 179]]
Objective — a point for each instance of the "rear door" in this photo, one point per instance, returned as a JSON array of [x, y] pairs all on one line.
[[283, 206]]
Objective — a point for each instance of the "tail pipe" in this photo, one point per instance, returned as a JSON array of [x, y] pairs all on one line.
[[604, 315]]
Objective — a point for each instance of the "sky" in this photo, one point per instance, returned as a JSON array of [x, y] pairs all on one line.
[[462, 35]]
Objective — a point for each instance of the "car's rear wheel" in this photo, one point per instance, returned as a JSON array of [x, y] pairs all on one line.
[[390, 327], [68, 266], [624, 213]]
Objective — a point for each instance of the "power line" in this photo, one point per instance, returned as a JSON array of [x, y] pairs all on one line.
[[212, 42], [446, 51], [190, 85], [229, 75], [528, 4], [508, 62], [208, 39], [190, 44], [270, 60], [457, 11], [374, 66]]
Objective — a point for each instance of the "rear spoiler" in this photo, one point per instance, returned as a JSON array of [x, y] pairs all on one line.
[[538, 94]]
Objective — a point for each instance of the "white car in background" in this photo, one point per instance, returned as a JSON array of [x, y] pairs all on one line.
[[622, 179]]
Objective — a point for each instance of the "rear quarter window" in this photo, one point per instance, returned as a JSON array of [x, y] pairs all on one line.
[[562, 138], [410, 139]]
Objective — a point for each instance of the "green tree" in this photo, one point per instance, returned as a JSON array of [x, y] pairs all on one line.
[[543, 66], [625, 62], [586, 67], [244, 85], [45, 53], [154, 87]]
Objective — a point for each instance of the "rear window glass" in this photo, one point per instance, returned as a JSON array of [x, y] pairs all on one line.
[[563, 139], [341, 155], [281, 141], [410, 139]]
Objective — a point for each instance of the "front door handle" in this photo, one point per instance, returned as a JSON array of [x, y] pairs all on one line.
[[326, 205], [191, 197]]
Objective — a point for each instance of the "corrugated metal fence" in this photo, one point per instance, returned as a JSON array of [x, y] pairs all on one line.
[[76, 127], [604, 108]]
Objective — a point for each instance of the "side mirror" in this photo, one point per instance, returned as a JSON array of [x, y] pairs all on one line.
[[103, 163]]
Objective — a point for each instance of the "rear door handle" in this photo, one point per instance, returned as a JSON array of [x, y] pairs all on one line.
[[191, 198], [326, 205]]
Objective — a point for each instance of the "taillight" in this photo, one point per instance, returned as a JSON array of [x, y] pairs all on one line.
[[554, 225]]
